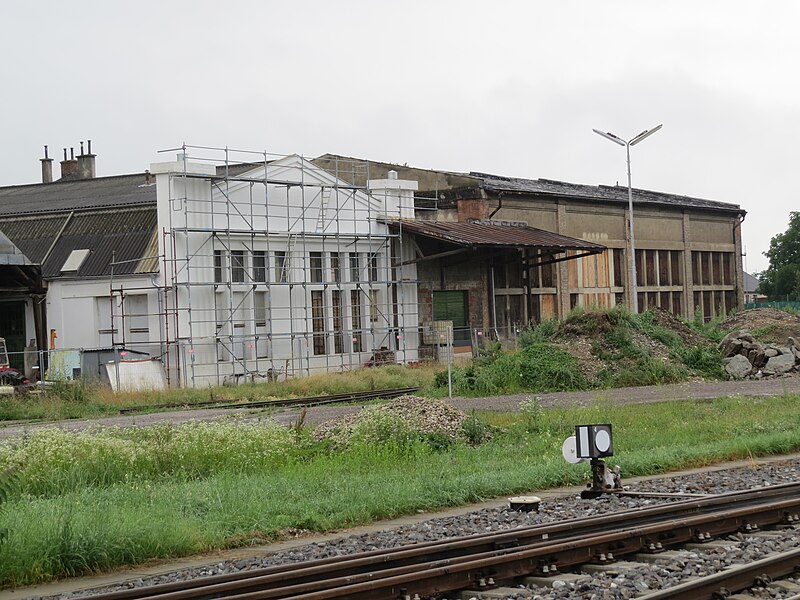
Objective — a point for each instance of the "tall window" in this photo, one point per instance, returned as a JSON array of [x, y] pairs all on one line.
[[259, 266], [281, 267], [373, 268], [355, 301], [318, 321], [237, 266], [338, 329], [219, 266], [336, 266], [315, 261], [355, 267], [373, 306]]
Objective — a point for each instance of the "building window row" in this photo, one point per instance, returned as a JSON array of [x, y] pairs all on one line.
[[259, 266]]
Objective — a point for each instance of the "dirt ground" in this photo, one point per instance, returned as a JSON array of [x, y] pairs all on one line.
[[768, 325]]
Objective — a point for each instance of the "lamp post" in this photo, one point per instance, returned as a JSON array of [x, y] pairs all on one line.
[[632, 254]]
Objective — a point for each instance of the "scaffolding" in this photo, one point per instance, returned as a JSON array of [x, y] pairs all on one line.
[[269, 268]]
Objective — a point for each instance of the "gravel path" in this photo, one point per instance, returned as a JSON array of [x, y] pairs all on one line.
[[318, 414]]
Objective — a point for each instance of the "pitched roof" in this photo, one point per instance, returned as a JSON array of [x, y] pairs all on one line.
[[494, 235], [124, 235], [605, 193], [750, 283], [119, 190]]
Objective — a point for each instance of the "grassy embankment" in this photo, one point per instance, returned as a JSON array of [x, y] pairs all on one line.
[[92, 501]]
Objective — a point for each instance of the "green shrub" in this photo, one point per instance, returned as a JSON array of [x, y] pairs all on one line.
[[532, 414], [7, 486], [540, 367], [475, 430], [538, 333], [704, 360]]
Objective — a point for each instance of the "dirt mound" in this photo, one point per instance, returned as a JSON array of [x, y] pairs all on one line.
[[669, 321], [423, 415], [768, 325]]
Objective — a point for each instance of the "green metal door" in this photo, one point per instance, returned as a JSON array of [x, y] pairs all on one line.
[[12, 328], [452, 306]]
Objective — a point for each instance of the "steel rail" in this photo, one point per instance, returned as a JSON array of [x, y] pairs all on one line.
[[436, 579], [452, 550], [732, 579], [287, 402]]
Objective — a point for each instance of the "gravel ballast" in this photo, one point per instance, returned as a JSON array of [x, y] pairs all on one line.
[[597, 586]]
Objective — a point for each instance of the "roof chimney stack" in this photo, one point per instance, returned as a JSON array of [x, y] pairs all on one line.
[[47, 167], [86, 163], [69, 168]]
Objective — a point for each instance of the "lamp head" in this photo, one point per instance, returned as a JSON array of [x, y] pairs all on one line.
[[610, 136]]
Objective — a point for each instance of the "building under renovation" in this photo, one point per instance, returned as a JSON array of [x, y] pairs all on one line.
[[231, 266]]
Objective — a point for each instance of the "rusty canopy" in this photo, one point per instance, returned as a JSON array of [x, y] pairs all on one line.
[[497, 235]]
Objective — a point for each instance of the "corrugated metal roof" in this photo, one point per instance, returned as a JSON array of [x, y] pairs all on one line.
[[605, 193], [126, 234], [491, 235], [59, 196]]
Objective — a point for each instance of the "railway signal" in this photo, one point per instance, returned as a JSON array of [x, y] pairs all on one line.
[[593, 443]]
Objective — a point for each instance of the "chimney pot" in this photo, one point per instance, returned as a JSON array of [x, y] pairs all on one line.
[[86, 163], [69, 167], [47, 168]]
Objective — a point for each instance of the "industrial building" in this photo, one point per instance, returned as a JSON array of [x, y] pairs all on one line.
[[231, 266]]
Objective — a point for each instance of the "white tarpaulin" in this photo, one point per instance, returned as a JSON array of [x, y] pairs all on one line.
[[135, 375]]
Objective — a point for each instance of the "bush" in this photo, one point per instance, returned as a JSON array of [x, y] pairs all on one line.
[[532, 414], [539, 367], [6, 488]]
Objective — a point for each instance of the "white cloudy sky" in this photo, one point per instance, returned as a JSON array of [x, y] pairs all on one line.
[[513, 88]]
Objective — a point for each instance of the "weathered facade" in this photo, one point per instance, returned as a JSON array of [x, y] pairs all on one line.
[[228, 267], [688, 250]]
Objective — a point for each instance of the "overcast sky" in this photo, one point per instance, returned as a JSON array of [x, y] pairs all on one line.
[[512, 88]]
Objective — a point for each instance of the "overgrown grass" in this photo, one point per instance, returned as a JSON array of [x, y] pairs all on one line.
[[67, 400], [617, 342], [537, 368], [161, 510]]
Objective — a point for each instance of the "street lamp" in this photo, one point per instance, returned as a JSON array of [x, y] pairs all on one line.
[[632, 254]]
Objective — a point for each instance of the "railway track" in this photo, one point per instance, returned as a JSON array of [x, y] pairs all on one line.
[[285, 403], [481, 561]]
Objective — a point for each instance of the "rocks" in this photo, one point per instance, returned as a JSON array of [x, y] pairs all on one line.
[[738, 367], [747, 358]]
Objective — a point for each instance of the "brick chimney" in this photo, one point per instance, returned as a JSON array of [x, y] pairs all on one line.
[[47, 168], [86, 163], [69, 168]]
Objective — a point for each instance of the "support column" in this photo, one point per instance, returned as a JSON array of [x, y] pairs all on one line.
[[562, 285], [688, 276]]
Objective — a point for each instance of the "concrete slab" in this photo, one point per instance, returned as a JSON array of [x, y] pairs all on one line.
[[667, 556], [500, 593], [543, 581], [712, 545], [611, 568]]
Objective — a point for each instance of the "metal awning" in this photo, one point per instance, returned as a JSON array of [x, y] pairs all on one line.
[[495, 235]]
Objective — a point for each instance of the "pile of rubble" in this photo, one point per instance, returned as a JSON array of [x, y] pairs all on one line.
[[423, 415], [746, 358]]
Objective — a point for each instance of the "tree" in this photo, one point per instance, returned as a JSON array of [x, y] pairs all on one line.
[[782, 277]]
